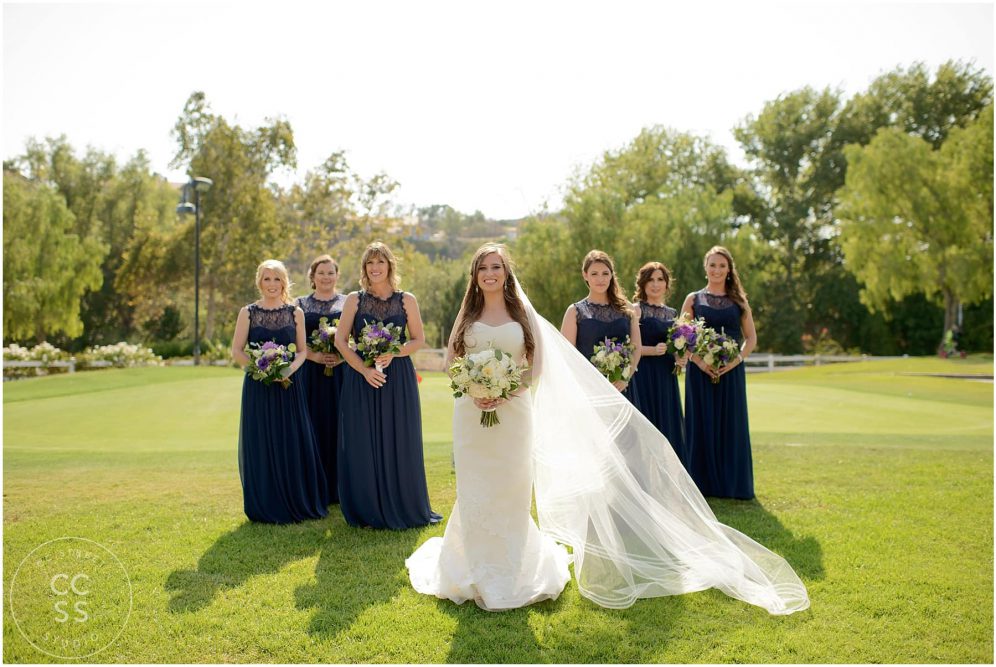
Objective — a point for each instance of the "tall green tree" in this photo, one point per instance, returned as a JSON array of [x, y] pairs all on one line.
[[919, 220], [239, 223], [665, 196], [798, 163], [318, 214], [47, 266], [109, 204], [796, 145]]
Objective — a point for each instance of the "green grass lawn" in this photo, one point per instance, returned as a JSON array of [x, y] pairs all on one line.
[[876, 486]]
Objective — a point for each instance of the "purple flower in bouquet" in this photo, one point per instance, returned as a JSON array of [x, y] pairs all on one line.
[[683, 336], [323, 339], [377, 338], [268, 360], [613, 359]]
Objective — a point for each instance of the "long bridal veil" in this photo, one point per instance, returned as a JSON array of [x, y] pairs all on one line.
[[609, 485]]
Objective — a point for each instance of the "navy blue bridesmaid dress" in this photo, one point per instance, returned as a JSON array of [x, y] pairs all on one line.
[[281, 472], [597, 321], [381, 469], [655, 387], [323, 391], [716, 428]]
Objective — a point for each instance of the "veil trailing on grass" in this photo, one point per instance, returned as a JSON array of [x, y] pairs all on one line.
[[609, 485]]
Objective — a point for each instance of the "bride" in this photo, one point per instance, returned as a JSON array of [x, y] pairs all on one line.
[[607, 484]]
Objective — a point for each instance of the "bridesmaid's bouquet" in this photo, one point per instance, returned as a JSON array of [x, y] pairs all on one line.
[[683, 336], [613, 359], [489, 373], [376, 339], [267, 362], [717, 349], [323, 339]]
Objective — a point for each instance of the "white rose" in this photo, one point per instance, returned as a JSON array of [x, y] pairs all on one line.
[[478, 391]]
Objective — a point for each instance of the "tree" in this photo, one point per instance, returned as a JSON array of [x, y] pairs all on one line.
[[109, 205], [798, 163], [919, 220], [439, 285], [918, 104], [318, 213], [665, 196], [239, 223], [48, 267], [797, 147]]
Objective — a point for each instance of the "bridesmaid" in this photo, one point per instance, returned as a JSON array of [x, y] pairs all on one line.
[[603, 313], [655, 387], [282, 477], [323, 390], [381, 471], [716, 414]]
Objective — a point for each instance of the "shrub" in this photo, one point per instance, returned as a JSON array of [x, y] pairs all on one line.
[[43, 352], [121, 355]]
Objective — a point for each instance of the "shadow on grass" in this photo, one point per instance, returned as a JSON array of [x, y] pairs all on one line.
[[750, 517], [251, 549], [536, 634], [495, 637], [357, 568]]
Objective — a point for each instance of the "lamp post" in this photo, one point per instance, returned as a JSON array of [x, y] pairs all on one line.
[[196, 185]]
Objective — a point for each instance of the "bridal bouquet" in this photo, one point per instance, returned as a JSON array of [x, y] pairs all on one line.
[[323, 339], [377, 338], [683, 336], [612, 359], [489, 373], [267, 362], [716, 349]]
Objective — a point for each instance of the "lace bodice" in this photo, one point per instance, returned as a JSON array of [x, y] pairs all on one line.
[[649, 311], [315, 309], [719, 312], [312, 305], [602, 312], [596, 322], [389, 311], [654, 323], [275, 324]]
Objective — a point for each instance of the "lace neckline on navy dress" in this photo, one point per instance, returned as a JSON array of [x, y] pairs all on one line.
[[312, 304], [603, 312], [716, 300], [649, 311], [271, 318], [381, 309]]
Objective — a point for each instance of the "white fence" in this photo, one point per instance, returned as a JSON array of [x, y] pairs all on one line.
[[773, 362], [435, 360]]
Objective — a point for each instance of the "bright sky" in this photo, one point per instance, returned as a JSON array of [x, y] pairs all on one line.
[[480, 106]]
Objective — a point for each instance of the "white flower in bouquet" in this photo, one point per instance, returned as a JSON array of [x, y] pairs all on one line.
[[613, 359], [487, 374]]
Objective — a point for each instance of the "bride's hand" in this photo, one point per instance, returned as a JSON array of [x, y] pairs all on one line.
[[488, 403], [620, 385]]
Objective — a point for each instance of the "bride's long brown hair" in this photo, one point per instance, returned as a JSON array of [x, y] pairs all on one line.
[[473, 300]]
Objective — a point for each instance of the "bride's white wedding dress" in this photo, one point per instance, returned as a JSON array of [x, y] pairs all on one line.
[[607, 483], [492, 551]]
